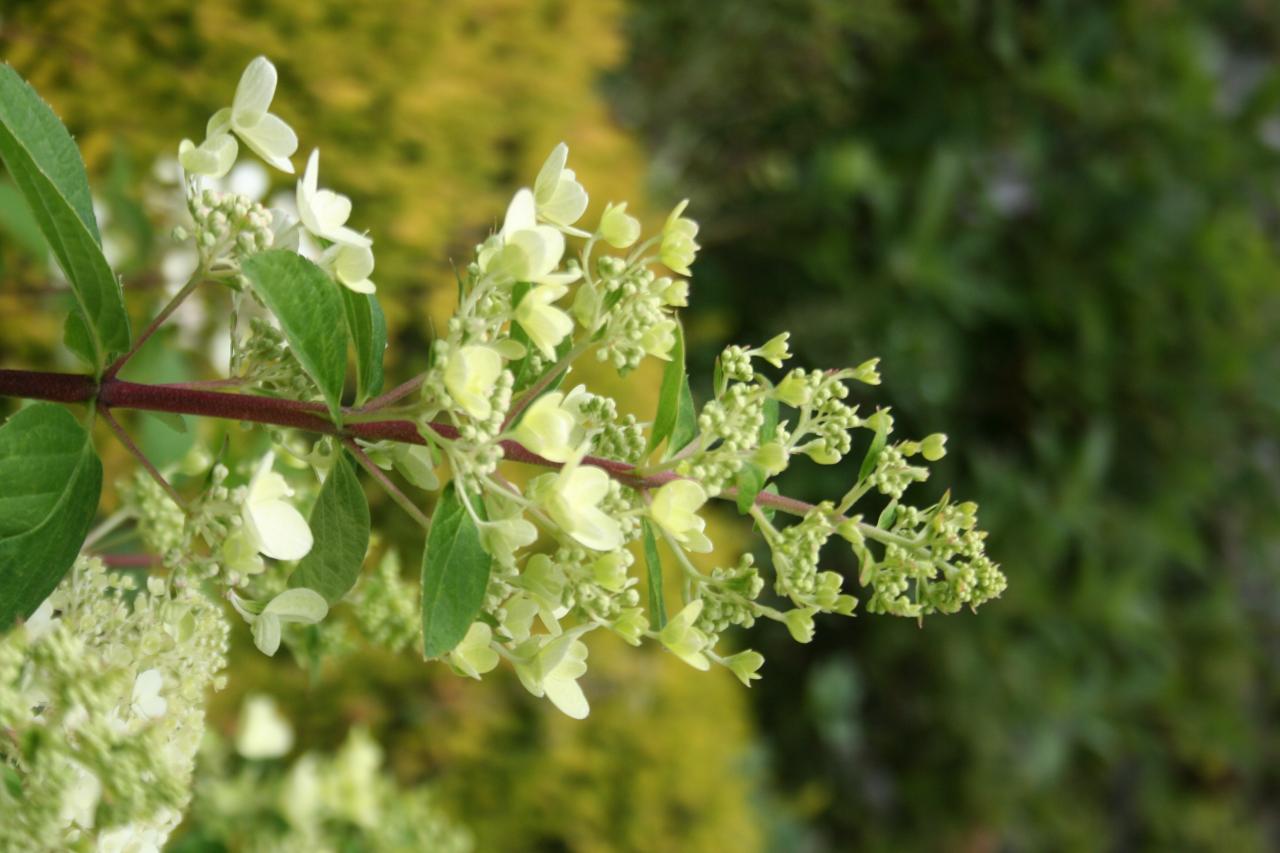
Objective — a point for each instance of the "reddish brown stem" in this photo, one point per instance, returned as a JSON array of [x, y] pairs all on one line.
[[312, 417]]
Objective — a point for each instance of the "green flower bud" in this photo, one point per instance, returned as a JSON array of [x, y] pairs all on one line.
[[800, 624], [934, 447], [793, 390], [772, 457], [745, 665], [776, 350]]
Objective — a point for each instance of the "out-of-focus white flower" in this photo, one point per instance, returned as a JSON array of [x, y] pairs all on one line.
[[475, 656], [250, 180], [324, 212], [560, 199], [147, 701], [80, 800], [249, 117], [263, 732]]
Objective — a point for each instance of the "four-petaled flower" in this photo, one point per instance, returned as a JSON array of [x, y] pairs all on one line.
[[545, 324], [560, 199], [525, 250], [324, 212], [573, 502], [248, 117], [550, 426], [686, 641], [552, 667], [678, 246], [675, 508]]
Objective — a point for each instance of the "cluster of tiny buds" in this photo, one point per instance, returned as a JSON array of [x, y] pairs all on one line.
[[227, 223]]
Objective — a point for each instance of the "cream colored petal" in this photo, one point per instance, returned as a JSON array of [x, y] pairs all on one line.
[[271, 139], [282, 532], [256, 88], [521, 214]]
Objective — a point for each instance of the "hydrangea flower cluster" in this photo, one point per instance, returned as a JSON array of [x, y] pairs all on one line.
[[556, 515], [103, 691], [543, 291]]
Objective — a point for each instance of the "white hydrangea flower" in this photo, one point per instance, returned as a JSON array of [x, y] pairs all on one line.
[[249, 117], [470, 376], [550, 426], [675, 508], [475, 656], [324, 212], [350, 265], [80, 799], [678, 248], [300, 605], [263, 732], [147, 701], [525, 250], [617, 227], [573, 502], [553, 671], [560, 199], [272, 525]]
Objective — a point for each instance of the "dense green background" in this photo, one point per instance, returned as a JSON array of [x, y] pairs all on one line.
[[1057, 224]]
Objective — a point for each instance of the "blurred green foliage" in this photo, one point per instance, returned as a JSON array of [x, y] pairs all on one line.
[[1057, 223]]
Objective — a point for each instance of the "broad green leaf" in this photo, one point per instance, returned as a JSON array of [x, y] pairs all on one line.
[[17, 220], [455, 574], [750, 480], [873, 452], [45, 164], [50, 482], [676, 418], [368, 328], [653, 564], [340, 525], [309, 307]]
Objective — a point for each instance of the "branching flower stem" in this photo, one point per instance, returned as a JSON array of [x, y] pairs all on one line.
[[119, 432], [405, 502], [311, 417]]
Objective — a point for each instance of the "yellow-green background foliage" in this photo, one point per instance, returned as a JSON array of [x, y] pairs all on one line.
[[429, 115]]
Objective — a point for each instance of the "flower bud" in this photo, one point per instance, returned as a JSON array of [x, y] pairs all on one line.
[[776, 350], [934, 447], [793, 390], [800, 624], [745, 665], [617, 228], [772, 457]]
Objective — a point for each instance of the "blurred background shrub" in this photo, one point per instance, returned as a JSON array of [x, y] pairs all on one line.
[[1056, 223]]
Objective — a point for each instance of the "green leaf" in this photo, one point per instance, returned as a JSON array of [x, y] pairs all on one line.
[[750, 480], [676, 418], [686, 428], [368, 327], [455, 574], [653, 562], [51, 480], [769, 429], [309, 307], [340, 524], [873, 452], [45, 164]]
